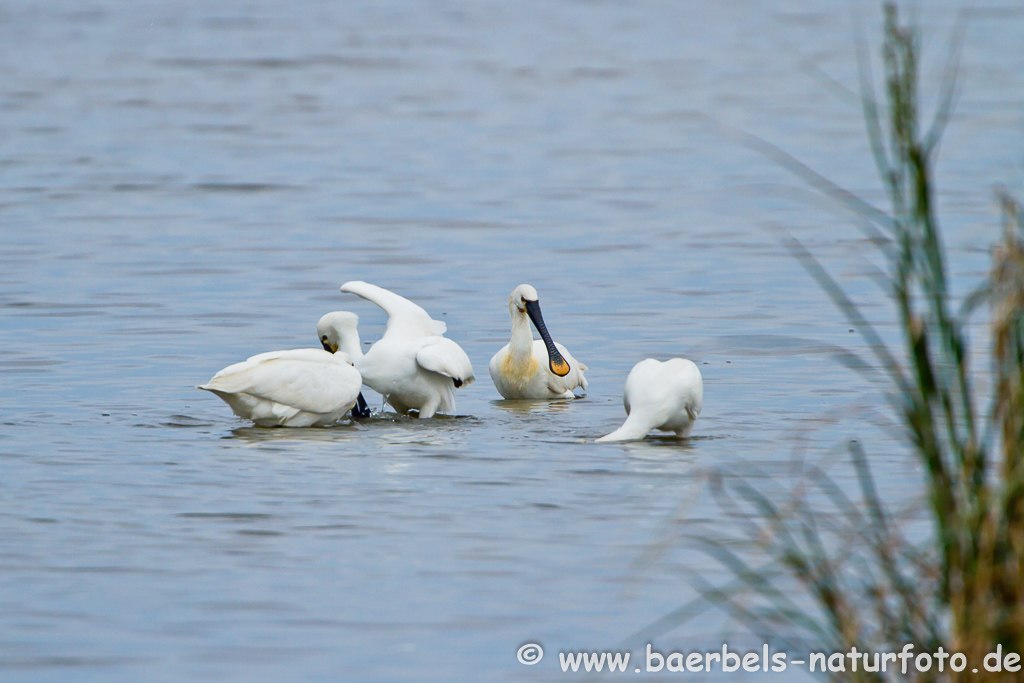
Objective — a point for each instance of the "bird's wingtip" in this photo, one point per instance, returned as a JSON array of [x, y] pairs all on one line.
[[353, 286]]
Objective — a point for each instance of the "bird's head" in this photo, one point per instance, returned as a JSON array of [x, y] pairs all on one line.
[[334, 327], [519, 297]]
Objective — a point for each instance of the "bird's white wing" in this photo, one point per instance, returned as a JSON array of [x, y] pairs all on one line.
[[444, 356], [403, 315], [310, 355], [662, 390], [687, 384], [308, 379]]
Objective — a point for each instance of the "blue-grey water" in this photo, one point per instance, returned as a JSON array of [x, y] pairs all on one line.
[[186, 184]]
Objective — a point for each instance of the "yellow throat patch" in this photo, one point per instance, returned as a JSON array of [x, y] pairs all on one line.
[[518, 374]]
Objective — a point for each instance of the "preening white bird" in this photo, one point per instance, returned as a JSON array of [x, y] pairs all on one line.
[[413, 365], [666, 396], [330, 329], [526, 368], [296, 388]]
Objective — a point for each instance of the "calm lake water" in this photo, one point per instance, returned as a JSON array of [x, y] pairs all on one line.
[[185, 184]]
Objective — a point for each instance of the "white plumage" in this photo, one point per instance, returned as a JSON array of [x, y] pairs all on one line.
[[533, 369], [666, 396], [296, 388], [413, 365]]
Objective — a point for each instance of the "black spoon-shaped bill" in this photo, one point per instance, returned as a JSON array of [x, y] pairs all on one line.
[[557, 364]]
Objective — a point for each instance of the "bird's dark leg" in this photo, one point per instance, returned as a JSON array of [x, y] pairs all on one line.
[[360, 410]]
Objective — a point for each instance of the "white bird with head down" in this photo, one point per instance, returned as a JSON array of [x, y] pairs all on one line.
[[331, 329], [413, 365], [665, 396], [296, 388], [533, 369]]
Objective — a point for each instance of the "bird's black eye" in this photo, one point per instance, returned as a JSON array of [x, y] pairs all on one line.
[[523, 298], [324, 339]]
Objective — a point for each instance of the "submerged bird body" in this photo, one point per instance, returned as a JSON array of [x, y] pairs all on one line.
[[665, 396], [413, 365], [296, 388], [533, 369]]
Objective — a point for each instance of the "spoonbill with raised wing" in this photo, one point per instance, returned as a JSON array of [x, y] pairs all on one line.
[[413, 365]]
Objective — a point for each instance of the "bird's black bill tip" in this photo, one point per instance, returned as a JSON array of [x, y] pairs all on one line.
[[360, 410]]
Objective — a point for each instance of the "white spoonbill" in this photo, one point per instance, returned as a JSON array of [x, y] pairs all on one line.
[[413, 365], [666, 396], [297, 388], [533, 369]]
